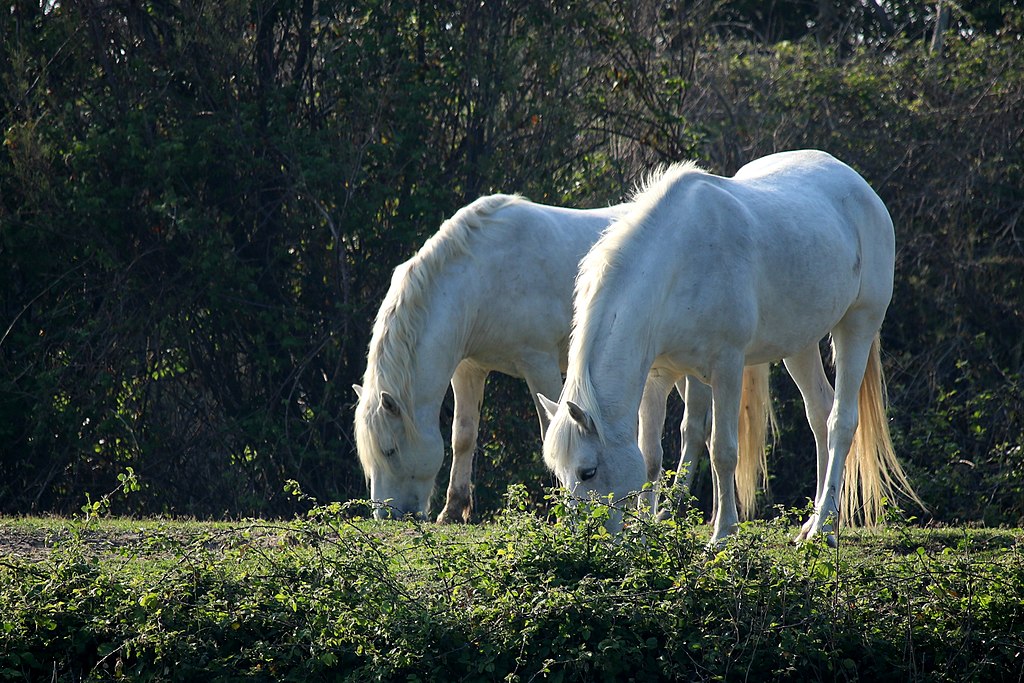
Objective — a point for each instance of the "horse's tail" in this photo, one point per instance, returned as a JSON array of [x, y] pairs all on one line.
[[872, 472], [756, 417]]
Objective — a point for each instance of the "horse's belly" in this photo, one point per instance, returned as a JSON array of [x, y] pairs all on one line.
[[789, 330]]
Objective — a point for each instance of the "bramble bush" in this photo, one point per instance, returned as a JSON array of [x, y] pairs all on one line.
[[330, 596]]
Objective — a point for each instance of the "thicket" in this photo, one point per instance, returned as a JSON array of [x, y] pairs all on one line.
[[326, 597], [201, 204]]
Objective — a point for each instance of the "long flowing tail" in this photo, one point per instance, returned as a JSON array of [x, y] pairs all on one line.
[[872, 472], [756, 418]]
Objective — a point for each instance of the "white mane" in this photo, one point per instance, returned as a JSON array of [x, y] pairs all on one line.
[[392, 353], [596, 268]]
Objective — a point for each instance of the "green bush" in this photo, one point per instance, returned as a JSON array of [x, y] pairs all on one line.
[[332, 597], [201, 205]]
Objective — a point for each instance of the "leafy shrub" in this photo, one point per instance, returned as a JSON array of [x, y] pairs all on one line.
[[333, 597], [201, 206]]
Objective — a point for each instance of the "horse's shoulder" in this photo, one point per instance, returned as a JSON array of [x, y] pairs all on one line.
[[715, 200]]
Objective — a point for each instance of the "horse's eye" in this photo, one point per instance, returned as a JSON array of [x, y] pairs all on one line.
[[588, 473], [389, 453]]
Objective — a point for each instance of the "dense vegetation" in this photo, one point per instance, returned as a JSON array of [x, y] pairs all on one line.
[[327, 597], [201, 204]]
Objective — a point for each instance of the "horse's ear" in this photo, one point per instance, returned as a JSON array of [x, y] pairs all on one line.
[[358, 389], [581, 418], [389, 404], [550, 407]]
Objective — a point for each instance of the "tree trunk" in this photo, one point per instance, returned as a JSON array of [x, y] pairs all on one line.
[[941, 24]]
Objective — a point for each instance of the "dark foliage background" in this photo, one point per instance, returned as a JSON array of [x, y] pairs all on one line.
[[201, 204]]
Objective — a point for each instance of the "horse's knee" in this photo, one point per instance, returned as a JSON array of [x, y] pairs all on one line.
[[841, 427], [696, 424], [464, 438], [725, 454], [654, 471], [816, 414]]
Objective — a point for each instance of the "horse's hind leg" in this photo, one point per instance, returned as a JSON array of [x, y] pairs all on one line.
[[468, 387], [695, 432], [852, 338], [808, 373], [651, 423]]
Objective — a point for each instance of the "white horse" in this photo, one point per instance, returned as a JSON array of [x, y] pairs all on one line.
[[492, 290], [707, 274]]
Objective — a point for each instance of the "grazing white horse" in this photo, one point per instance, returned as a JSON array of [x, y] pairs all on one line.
[[492, 290], [707, 274]]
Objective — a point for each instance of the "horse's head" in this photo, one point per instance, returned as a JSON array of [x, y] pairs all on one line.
[[399, 460], [590, 463]]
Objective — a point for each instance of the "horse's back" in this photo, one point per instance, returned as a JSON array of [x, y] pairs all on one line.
[[771, 258], [516, 284], [811, 180], [532, 250], [824, 243]]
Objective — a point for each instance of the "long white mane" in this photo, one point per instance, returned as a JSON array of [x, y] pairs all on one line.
[[596, 268], [396, 330], [602, 257]]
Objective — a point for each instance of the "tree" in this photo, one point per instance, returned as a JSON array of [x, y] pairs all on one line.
[[201, 204]]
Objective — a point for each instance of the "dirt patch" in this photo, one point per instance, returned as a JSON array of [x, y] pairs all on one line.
[[35, 541], [23, 543], [34, 544]]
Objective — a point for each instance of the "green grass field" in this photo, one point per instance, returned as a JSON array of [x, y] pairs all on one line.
[[332, 597]]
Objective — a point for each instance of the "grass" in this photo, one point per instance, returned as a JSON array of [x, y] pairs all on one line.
[[332, 597]]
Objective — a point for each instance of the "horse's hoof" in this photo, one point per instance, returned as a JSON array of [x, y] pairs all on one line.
[[450, 517], [808, 532], [717, 544], [720, 538]]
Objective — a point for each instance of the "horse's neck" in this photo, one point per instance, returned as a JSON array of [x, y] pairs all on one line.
[[618, 362], [440, 347], [418, 353]]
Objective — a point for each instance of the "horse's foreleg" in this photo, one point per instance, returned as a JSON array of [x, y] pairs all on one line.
[[726, 386], [468, 387], [543, 375], [808, 373], [651, 423]]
